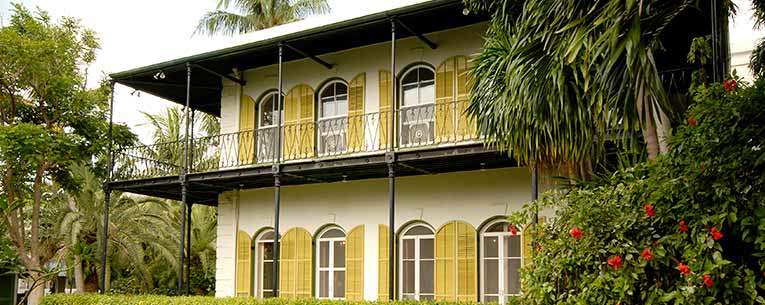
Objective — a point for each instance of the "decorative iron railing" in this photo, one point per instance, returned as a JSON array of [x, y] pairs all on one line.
[[418, 126]]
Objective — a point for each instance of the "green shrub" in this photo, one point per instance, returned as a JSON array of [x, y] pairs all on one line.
[[711, 182], [92, 299]]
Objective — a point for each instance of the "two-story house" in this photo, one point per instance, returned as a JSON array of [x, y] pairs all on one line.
[[346, 167]]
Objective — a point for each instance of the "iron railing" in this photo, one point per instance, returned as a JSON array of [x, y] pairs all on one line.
[[356, 134]]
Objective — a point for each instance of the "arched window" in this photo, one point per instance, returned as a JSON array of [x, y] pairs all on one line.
[[267, 119], [417, 105], [416, 263], [330, 273], [333, 117], [500, 262], [264, 264]]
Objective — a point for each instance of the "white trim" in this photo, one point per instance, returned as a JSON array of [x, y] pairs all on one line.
[[331, 269], [501, 257], [258, 266], [417, 238]]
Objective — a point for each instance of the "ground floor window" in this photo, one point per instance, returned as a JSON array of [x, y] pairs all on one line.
[[500, 262], [417, 263], [330, 274], [264, 268]]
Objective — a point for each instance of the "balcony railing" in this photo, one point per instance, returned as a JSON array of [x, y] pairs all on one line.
[[419, 126]]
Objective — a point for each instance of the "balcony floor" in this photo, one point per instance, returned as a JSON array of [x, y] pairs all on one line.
[[205, 187]]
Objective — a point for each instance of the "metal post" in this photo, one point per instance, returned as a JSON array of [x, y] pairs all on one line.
[[107, 191], [391, 167], [277, 175], [184, 184]]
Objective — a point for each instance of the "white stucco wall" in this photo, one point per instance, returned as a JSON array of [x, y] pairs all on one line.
[[472, 197]]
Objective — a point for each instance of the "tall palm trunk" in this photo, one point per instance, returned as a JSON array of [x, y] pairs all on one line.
[[646, 116], [79, 277]]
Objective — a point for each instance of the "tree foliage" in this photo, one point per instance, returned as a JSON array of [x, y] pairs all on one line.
[[244, 16], [688, 229]]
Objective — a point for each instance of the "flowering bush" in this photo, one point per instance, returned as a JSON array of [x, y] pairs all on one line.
[[688, 228]]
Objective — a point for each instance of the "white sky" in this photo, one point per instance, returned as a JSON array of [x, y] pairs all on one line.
[[136, 33]]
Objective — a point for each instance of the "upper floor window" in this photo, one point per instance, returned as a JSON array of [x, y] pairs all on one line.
[[417, 254], [264, 264], [418, 86], [333, 120], [330, 273], [267, 110], [500, 262], [416, 114]]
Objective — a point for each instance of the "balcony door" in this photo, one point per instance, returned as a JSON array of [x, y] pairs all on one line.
[[333, 118], [500, 262], [267, 120], [416, 109]]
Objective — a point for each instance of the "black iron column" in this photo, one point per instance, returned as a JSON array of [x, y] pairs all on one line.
[[277, 173], [190, 207], [107, 191], [391, 159], [184, 183]]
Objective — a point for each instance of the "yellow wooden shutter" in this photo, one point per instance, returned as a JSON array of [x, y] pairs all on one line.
[[295, 258], [383, 236], [356, 113], [246, 130], [466, 127], [354, 264], [456, 277], [527, 237], [298, 123], [243, 264], [385, 100], [444, 108]]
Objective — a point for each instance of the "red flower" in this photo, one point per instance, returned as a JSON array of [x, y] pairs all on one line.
[[513, 229], [615, 262], [650, 210], [729, 85], [692, 122], [576, 233], [539, 247], [716, 234], [684, 269], [708, 280], [647, 254], [682, 226]]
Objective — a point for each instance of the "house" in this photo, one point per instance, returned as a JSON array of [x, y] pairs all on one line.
[[349, 142]]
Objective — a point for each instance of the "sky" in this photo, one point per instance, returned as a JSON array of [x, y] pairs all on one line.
[[136, 33]]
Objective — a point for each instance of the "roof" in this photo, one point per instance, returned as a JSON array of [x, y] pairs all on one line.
[[424, 17]]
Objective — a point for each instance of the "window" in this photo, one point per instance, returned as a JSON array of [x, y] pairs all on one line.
[[416, 274], [417, 106], [330, 276], [500, 262], [267, 116], [333, 117], [264, 266]]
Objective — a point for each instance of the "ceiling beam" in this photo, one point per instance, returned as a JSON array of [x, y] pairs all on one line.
[[213, 72], [314, 58], [419, 36]]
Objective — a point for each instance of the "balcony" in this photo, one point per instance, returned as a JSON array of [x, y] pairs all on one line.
[[420, 127]]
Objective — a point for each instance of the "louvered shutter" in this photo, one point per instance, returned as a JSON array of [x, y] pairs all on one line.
[[243, 264], [295, 259], [383, 234], [298, 123], [354, 264], [466, 127], [307, 128], [456, 277], [246, 130], [444, 108], [356, 117], [383, 126]]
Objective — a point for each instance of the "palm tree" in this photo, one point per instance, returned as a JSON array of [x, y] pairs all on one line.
[[551, 91], [244, 16]]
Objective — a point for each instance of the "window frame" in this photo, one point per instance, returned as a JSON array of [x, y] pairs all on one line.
[[419, 83], [331, 269], [260, 241], [263, 100], [501, 258], [417, 260], [320, 103]]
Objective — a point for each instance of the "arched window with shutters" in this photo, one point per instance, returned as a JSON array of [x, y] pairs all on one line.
[[416, 263], [416, 106], [456, 268], [330, 267], [264, 264], [500, 262], [267, 120], [333, 117], [451, 93]]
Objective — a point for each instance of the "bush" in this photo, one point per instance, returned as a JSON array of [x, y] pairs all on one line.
[[688, 228], [88, 299]]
